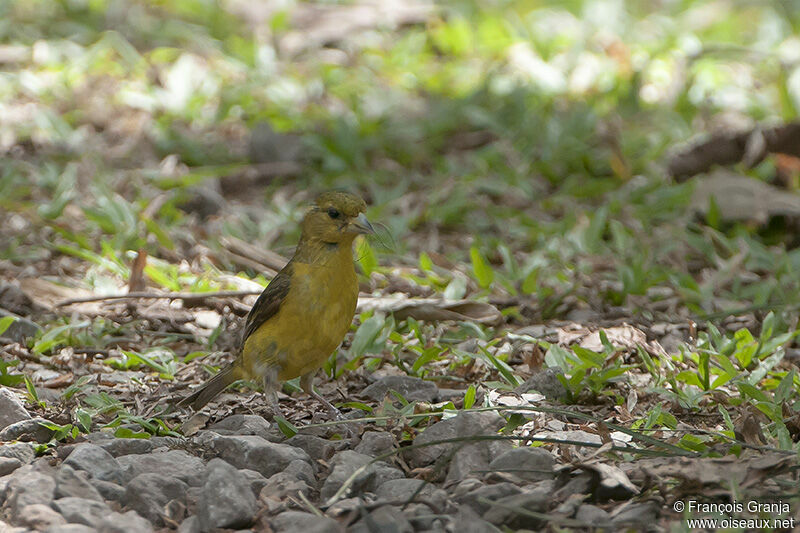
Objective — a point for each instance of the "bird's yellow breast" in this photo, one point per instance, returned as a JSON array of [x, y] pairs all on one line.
[[311, 322]]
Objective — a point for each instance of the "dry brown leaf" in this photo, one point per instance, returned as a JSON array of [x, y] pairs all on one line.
[[626, 337], [48, 294], [432, 309], [740, 198]]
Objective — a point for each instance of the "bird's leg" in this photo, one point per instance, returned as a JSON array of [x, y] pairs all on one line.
[[271, 392], [307, 384]]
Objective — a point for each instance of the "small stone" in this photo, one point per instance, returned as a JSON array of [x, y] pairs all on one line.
[[580, 484], [173, 463], [299, 522], [8, 465], [256, 480], [120, 447], [11, 408], [71, 482], [108, 490], [129, 522], [410, 388], [148, 494], [545, 382], [15, 300], [27, 430], [636, 515], [69, 528], [39, 516], [316, 447], [528, 463], [21, 329], [22, 451], [190, 525], [384, 518], [375, 443], [28, 488], [465, 424], [244, 425], [97, 462], [256, 453], [227, 500], [281, 485], [472, 492], [467, 521], [592, 514], [81, 510], [302, 471], [536, 499], [404, 489], [346, 462]]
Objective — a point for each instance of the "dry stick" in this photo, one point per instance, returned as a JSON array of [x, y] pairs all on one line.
[[188, 296]]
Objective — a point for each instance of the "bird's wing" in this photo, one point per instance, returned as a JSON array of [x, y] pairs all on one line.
[[269, 302]]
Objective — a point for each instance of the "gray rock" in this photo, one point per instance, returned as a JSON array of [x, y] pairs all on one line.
[[21, 451], [173, 463], [410, 388], [592, 514], [8, 465], [636, 515], [20, 329], [28, 488], [227, 501], [467, 521], [81, 510], [148, 494], [190, 525], [281, 485], [471, 493], [299, 522], [535, 499], [71, 482], [404, 489], [108, 490], [97, 462], [346, 462], [302, 471], [15, 300], [39, 517], [545, 382], [316, 447], [528, 463], [129, 522], [256, 480], [69, 528], [375, 443], [465, 424], [386, 519], [580, 484], [11, 408], [256, 453], [28, 429], [120, 447], [244, 425]]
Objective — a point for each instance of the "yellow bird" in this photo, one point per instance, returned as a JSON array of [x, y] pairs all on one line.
[[305, 311]]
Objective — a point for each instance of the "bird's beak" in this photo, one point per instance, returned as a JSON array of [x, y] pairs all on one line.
[[360, 224]]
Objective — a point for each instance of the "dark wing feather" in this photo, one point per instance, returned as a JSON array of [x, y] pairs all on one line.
[[269, 302]]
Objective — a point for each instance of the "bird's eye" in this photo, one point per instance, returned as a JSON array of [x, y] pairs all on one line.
[[333, 212]]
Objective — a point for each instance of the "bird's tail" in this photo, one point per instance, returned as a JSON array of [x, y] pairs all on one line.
[[209, 389]]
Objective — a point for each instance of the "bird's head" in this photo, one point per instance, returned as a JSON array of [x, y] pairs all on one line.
[[336, 217]]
